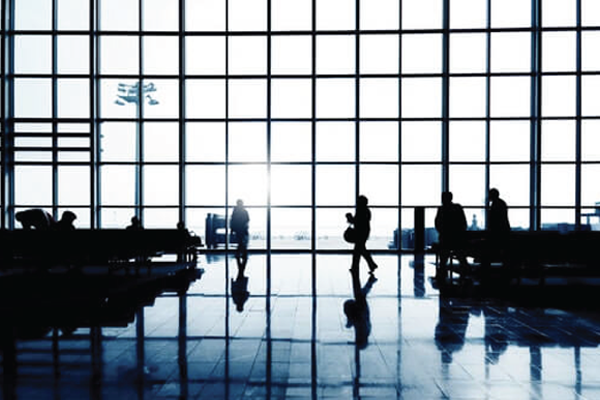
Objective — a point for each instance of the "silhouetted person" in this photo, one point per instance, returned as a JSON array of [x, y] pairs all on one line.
[[362, 228], [451, 225], [239, 225], [66, 221], [357, 309], [239, 289], [35, 218], [135, 225], [498, 227]]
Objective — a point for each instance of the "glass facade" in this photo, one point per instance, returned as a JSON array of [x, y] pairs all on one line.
[[174, 109]]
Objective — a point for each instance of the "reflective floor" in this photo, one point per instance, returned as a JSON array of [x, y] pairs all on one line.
[[389, 336]]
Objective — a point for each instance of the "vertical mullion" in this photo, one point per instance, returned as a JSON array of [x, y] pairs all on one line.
[[8, 152], [445, 96], [536, 92], [357, 99], [488, 79], [182, 113], [3, 135], [578, 89], [94, 137], [399, 225], [139, 199], [313, 140], [226, 129], [269, 98], [54, 45]]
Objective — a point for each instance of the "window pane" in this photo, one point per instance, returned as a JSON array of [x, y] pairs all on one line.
[[291, 15], [335, 98], [249, 183], [335, 185], [206, 15], [74, 186], [422, 54], [371, 178], [335, 141], [247, 55], [468, 53], [559, 12], [558, 96], [161, 98], [119, 98], [558, 185], [590, 93], [160, 55], [33, 98], [382, 14], [160, 15], [293, 230], [25, 19], [590, 190], [73, 98], [291, 185], [590, 14], [467, 97], [161, 141], [73, 55], [33, 185], [336, 54], [421, 141], [511, 13], [379, 141], [33, 54], [160, 218], [116, 217], [421, 185], [510, 140], [205, 185], [510, 96], [421, 98], [118, 184], [291, 54], [248, 15], [119, 55], [117, 141], [467, 141], [247, 98], [73, 15], [422, 14], [119, 15], [512, 181], [336, 14], [379, 54], [557, 219], [558, 141], [378, 98], [291, 98], [291, 141], [511, 52], [205, 55], [468, 14], [205, 98], [330, 224], [590, 140], [161, 185], [205, 141], [247, 141], [558, 51], [467, 184]]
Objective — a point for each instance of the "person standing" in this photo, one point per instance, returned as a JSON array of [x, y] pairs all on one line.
[[498, 226], [451, 225], [239, 225], [362, 227]]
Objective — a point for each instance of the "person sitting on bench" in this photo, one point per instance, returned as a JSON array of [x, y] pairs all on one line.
[[35, 218]]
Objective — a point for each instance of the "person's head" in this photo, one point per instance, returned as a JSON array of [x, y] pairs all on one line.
[[362, 201], [446, 198], [180, 225], [68, 216], [239, 202], [135, 221], [494, 194]]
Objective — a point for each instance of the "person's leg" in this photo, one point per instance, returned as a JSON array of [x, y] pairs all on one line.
[[356, 257], [369, 259]]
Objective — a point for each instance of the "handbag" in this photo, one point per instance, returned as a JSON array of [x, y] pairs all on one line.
[[350, 235]]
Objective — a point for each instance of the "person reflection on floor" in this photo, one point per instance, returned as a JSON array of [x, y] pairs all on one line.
[[451, 328], [357, 309], [239, 289]]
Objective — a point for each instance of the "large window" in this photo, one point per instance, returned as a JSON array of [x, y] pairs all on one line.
[[174, 109]]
